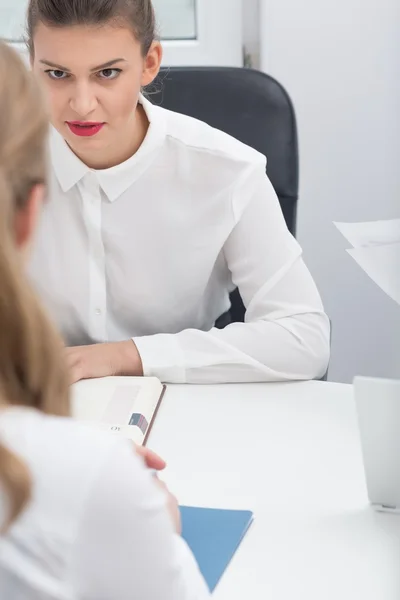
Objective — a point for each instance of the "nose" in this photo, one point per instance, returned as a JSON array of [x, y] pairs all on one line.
[[83, 100]]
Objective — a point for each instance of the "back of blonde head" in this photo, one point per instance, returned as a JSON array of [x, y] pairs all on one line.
[[31, 367]]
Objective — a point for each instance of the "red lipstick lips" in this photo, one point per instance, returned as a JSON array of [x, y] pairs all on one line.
[[84, 128]]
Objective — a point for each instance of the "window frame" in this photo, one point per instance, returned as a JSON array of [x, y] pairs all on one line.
[[219, 40]]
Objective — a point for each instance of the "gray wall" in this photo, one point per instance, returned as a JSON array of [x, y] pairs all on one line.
[[340, 62]]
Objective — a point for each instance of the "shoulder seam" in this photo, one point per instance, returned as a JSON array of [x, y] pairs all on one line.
[[216, 152]]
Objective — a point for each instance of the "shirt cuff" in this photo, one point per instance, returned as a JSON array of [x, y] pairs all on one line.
[[161, 357]]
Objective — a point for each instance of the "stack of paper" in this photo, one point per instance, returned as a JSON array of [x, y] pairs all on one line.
[[376, 249]]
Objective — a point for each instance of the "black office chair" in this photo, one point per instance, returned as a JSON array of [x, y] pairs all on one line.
[[250, 106]]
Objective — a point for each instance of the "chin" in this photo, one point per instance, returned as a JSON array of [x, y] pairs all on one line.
[[77, 143]]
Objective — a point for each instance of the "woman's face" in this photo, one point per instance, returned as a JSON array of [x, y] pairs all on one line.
[[92, 76]]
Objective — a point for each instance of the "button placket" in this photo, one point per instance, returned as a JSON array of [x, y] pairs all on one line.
[[92, 210]]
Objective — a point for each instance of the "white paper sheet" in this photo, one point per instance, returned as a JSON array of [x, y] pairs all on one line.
[[371, 233], [376, 249], [382, 264]]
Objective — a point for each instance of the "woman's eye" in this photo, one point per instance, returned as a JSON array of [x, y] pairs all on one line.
[[109, 73], [57, 74]]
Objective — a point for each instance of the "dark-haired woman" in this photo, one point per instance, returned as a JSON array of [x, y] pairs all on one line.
[[154, 218]]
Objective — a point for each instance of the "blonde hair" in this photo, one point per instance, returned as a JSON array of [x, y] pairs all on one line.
[[31, 366]]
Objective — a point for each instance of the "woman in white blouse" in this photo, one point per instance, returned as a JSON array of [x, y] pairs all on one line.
[[154, 218], [81, 517]]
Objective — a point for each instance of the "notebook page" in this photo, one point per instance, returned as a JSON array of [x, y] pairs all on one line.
[[122, 405]]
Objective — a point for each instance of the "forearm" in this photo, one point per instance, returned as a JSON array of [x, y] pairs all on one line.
[[103, 360], [291, 348], [128, 360]]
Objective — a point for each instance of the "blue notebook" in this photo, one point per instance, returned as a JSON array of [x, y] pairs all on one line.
[[214, 536]]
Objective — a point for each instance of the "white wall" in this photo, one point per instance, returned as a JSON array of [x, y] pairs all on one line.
[[340, 62], [251, 30]]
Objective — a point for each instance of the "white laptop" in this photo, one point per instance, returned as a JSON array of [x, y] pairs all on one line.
[[378, 408]]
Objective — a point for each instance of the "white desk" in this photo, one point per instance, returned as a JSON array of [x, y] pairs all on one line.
[[291, 453]]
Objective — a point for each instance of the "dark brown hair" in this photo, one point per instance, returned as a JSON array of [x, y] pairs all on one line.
[[137, 14]]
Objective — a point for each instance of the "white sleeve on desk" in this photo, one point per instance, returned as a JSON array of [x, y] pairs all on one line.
[[126, 547], [286, 333], [161, 357]]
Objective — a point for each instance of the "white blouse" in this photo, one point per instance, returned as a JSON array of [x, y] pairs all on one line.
[[150, 250], [97, 527]]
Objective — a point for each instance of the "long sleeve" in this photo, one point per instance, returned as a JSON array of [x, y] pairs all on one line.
[[286, 332], [126, 547]]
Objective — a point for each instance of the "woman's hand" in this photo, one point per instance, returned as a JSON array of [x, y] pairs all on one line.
[[103, 360], [155, 462], [172, 506], [151, 459]]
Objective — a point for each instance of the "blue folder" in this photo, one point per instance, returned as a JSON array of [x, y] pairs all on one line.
[[214, 536]]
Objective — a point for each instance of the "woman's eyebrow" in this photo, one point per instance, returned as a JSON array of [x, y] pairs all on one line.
[[53, 65], [106, 65]]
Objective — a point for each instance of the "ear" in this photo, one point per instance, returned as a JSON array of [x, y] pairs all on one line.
[[26, 218], [152, 64]]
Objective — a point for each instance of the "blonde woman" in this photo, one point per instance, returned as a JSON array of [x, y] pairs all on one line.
[[81, 516]]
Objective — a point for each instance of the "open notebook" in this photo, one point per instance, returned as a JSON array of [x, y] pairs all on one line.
[[124, 405]]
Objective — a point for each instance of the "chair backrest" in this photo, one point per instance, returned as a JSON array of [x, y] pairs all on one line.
[[250, 106]]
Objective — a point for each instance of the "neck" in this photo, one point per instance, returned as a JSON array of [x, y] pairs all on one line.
[[122, 149]]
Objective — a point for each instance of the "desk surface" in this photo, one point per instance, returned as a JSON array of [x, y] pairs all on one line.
[[291, 453]]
